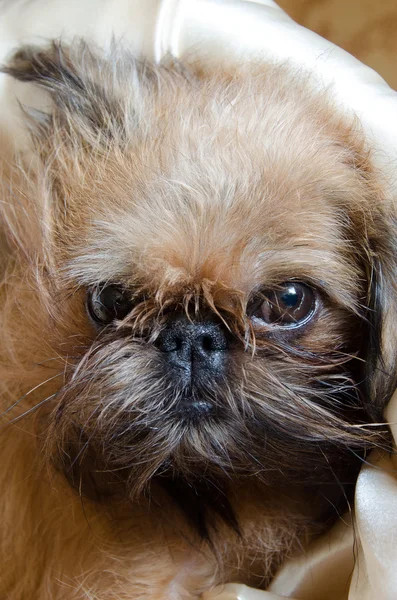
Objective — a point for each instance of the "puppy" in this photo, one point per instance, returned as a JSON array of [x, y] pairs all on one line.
[[198, 303]]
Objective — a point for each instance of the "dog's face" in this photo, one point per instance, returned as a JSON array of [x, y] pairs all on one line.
[[211, 251]]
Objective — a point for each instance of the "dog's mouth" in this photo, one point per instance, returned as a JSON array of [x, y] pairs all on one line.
[[195, 410], [196, 404]]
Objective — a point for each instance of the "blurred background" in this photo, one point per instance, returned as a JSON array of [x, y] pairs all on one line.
[[365, 28]]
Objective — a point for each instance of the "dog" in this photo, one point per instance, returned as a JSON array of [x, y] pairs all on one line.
[[198, 310]]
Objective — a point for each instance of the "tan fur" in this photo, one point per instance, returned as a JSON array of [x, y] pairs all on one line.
[[185, 189]]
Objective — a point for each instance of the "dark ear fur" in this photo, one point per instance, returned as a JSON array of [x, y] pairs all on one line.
[[88, 91], [380, 335]]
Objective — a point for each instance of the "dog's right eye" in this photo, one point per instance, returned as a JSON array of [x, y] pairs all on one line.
[[292, 305], [106, 303]]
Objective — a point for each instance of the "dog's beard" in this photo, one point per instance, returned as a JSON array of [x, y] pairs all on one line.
[[123, 419]]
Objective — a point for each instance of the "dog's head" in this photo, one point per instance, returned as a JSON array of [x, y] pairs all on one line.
[[215, 266]]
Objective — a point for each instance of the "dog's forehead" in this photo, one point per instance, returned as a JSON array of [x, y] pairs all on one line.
[[185, 228], [214, 193]]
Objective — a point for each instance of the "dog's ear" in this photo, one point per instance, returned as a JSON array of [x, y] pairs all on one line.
[[379, 337], [95, 98], [370, 223]]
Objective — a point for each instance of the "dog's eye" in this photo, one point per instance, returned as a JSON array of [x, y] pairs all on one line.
[[291, 305], [105, 303]]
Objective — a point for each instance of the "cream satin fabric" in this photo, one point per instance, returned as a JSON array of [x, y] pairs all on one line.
[[238, 30]]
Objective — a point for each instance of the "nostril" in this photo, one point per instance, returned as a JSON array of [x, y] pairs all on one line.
[[178, 343], [212, 339], [207, 343], [169, 342]]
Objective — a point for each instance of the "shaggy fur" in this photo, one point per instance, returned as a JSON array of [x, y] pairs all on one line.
[[197, 192]]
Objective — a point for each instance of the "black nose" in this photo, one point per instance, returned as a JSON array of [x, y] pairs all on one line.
[[196, 349]]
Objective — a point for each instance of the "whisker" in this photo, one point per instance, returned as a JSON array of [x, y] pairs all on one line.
[[29, 411], [30, 392]]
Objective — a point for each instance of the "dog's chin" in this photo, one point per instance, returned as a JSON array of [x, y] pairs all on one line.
[[195, 443], [198, 455]]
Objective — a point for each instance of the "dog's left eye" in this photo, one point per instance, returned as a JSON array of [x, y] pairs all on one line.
[[106, 303], [292, 304]]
